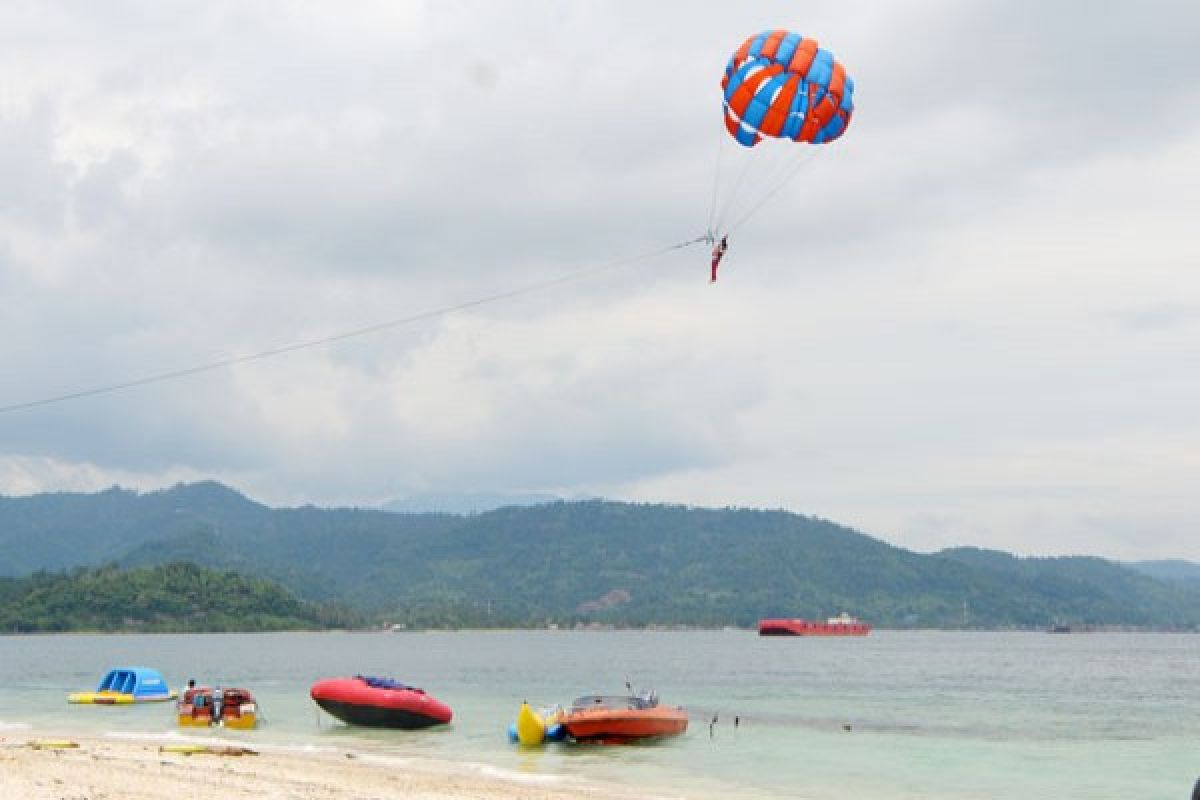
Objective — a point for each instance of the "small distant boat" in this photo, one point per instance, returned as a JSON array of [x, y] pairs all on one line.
[[202, 707], [125, 686], [619, 719], [841, 625], [379, 703]]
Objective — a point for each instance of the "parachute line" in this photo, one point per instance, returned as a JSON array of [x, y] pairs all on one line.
[[761, 176], [733, 193], [781, 184], [712, 207], [351, 334]]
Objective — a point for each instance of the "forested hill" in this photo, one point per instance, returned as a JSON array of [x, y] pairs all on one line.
[[582, 562], [1170, 570], [173, 597]]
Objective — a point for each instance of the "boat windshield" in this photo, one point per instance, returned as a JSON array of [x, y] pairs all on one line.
[[615, 701]]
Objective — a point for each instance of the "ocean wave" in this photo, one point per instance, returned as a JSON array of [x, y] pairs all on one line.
[[140, 736], [512, 776], [381, 760]]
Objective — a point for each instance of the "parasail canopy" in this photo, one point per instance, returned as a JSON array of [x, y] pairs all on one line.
[[782, 85]]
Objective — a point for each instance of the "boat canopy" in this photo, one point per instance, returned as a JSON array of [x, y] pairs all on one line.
[[647, 699], [141, 682]]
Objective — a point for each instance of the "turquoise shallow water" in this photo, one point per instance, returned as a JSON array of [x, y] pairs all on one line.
[[943, 716]]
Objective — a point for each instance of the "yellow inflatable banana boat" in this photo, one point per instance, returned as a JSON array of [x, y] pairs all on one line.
[[531, 727]]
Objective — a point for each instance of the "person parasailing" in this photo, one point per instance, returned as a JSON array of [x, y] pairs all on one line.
[[780, 86], [718, 252]]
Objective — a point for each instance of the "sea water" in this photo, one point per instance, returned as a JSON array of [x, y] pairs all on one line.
[[931, 715]]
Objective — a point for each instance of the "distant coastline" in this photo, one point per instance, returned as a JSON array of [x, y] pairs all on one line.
[[373, 630]]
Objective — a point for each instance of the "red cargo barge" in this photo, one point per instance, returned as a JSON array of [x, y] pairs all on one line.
[[842, 625]]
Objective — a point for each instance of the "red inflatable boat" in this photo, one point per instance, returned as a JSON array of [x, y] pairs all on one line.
[[379, 703]]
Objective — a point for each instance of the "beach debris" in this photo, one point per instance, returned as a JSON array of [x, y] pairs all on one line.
[[51, 744], [207, 749], [232, 751]]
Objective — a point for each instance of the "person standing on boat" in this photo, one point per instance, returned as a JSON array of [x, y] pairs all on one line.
[[217, 697]]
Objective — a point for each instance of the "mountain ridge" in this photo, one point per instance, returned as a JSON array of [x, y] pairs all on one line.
[[585, 562]]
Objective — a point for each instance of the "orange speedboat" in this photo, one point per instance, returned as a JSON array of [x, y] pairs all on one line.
[[614, 719]]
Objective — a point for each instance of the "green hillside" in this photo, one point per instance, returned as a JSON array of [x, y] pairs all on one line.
[[1170, 570], [173, 597], [582, 562], [1088, 591], [64, 529]]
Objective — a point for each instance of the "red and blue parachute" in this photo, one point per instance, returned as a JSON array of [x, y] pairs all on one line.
[[782, 85]]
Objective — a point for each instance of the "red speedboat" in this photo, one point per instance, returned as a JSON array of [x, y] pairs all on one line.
[[379, 703], [620, 719], [841, 625]]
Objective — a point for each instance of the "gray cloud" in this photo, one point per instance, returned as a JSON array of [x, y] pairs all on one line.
[[968, 321]]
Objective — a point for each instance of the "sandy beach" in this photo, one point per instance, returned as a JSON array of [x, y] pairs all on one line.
[[100, 768]]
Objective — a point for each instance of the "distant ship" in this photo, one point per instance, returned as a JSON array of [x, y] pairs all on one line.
[[841, 625]]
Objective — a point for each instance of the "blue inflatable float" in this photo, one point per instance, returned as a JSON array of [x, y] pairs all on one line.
[[125, 686]]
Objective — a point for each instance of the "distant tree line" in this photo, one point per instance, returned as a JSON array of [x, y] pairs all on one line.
[[170, 597]]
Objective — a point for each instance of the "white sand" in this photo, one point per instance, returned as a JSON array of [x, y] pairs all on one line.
[[108, 769]]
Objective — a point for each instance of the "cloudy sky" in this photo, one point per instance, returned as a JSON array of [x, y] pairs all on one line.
[[975, 319]]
